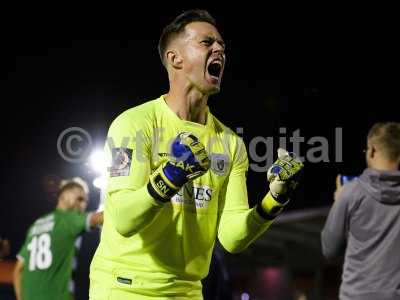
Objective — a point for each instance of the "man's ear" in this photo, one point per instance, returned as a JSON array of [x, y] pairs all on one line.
[[372, 152], [174, 59]]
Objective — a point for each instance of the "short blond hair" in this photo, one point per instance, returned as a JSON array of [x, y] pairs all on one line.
[[75, 182]]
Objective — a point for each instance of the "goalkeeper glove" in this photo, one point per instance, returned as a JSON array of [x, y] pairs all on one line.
[[188, 160], [283, 176]]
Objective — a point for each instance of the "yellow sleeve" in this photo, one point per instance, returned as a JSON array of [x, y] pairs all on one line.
[[239, 226], [128, 149]]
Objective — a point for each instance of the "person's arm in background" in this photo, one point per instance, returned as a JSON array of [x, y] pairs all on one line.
[[96, 219], [239, 226], [335, 231], [17, 278], [22, 257], [78, 222]]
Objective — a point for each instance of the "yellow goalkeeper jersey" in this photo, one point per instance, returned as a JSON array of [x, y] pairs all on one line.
[[161, 250]]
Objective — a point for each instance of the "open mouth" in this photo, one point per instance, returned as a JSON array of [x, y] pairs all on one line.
[[214, 69]]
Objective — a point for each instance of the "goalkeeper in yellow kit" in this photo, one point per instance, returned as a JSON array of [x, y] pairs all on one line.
[[177, 179]]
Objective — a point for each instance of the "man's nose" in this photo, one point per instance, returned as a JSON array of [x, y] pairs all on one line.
[[218, 48]]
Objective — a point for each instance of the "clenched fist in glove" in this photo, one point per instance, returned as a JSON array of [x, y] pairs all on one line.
[[283, 177], [188, 160]]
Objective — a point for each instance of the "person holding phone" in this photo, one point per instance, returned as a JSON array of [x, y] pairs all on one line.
[[364, 221]]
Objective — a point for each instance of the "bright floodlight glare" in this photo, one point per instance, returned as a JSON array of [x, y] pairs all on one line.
[[100, 182], [98, 161]]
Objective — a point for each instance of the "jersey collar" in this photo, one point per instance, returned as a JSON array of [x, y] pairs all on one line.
[[209, 123]]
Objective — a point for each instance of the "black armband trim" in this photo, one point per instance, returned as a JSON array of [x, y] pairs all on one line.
[[159, 189], [263, 213]]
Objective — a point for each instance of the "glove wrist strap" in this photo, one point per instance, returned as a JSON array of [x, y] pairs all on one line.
[[281, 199], [263, 213], [271, 206], [160, 188]]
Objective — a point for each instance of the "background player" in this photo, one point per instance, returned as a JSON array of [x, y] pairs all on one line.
[[162, 216], [44, 264]]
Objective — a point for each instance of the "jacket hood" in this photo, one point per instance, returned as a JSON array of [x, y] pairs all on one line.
[[383, 186]]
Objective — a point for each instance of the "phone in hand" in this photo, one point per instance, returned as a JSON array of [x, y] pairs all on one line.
[[347, 178]]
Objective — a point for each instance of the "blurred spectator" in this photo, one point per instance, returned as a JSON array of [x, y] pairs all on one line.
[[366, 217]]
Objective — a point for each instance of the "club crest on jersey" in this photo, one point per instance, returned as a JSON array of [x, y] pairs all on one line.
[[219, 163], [121, 162]]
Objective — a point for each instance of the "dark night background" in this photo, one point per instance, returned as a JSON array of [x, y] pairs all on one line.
[[299, 70]]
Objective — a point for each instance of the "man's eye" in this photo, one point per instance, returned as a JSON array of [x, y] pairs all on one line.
[[206, 42]]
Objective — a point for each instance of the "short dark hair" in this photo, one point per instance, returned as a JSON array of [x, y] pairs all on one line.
[[387, 136], [178, 25]]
